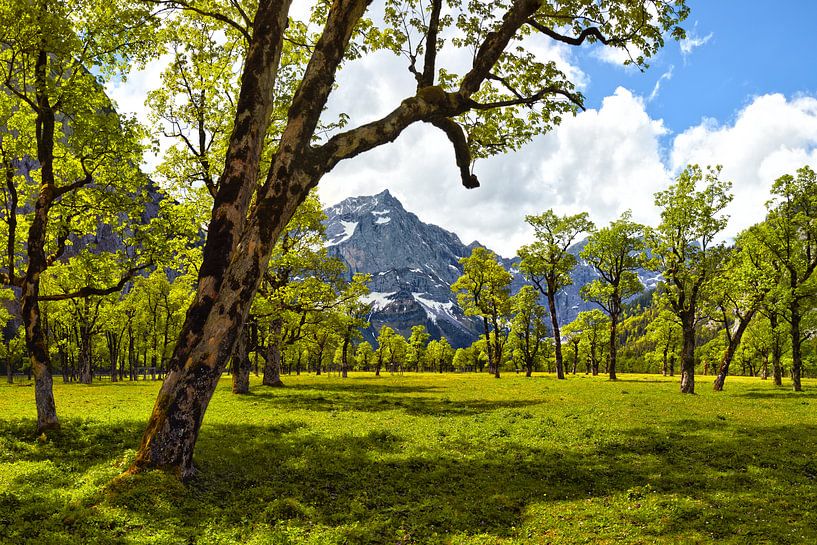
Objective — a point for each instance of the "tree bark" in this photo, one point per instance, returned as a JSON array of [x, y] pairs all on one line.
[[241, 363], [613, 339], [37, 262], [554, 322], [344, 362], [734, 342], [796, 355], [688, 353], [272, 361]]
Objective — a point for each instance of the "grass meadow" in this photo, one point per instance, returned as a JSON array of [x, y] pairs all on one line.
[[460, 459]]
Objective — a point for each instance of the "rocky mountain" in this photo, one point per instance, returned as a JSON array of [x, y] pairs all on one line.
[[413, 264]]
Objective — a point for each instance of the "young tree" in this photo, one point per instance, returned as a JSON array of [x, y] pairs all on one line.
[[588, 327], [492, 100], [528, 328], [739, 292], [364, 355], [616, 252], [484, 290], [790, 235], [686, 251], [418, 341], [547, 263], [664, 332]]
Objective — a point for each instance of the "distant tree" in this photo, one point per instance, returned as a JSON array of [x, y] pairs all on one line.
[[589, 327], [790, 236], [664, 332], [528, 328], [616, 252], [363, 355], [484, 290], [418, 341], [686, 251], [738, 294], [383, 352], [546, 263]]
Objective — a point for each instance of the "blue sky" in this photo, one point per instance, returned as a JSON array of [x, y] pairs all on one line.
[[753, 48]]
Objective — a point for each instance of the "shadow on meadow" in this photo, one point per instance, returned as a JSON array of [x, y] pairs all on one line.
[[712, 479], [360, 398]]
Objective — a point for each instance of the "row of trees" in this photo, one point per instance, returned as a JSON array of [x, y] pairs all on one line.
[[706, 283]]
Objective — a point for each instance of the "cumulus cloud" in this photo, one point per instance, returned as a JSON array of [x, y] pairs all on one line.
[[770, 137], [602, 161]]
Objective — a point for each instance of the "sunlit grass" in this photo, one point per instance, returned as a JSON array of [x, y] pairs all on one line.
[[423, 459]]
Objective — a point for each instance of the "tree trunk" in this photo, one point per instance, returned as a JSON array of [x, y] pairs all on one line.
[[613, 340], [664, 369], [497, 347], [37, 261], [272, 361], [688, 353], [777, 350], [344, 362], [554, 322], [796, 355], [241, 363], [734, 342]]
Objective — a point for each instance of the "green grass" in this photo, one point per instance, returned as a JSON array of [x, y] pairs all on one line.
[[424, 459]]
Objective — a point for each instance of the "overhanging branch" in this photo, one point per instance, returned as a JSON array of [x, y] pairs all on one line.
[[461, 152]]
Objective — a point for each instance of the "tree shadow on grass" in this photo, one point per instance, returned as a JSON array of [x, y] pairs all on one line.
[[359, 400], [376, 487]]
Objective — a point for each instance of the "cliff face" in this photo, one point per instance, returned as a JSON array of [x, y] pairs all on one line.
[[413, 264]]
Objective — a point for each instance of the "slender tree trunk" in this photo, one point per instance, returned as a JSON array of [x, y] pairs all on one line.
[[241, 363], [344, 362], [796, 355], [10, 369], [554, 322], [613, 339], [497, 347], [37, 262], [734, 342], [488, 347], [664, 371], [272, 361], [688, 353]]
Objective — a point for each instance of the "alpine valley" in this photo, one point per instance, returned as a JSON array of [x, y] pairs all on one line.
[[413, 264]]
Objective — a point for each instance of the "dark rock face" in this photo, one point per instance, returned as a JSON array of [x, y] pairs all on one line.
[[413, 264]]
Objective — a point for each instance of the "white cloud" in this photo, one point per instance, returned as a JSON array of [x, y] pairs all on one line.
[[693, 41], [770, 137], [602, 161], [657, 88], [130, 95]]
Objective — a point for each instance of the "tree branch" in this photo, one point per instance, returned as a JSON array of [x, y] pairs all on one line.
[[90, 290], [430, 59], [589, 32], [461, 152], [214, 15]]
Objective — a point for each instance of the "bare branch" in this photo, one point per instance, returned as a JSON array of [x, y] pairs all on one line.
[[461, 152]]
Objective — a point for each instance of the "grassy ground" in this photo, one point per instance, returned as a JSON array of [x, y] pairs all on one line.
[[424, 459]]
